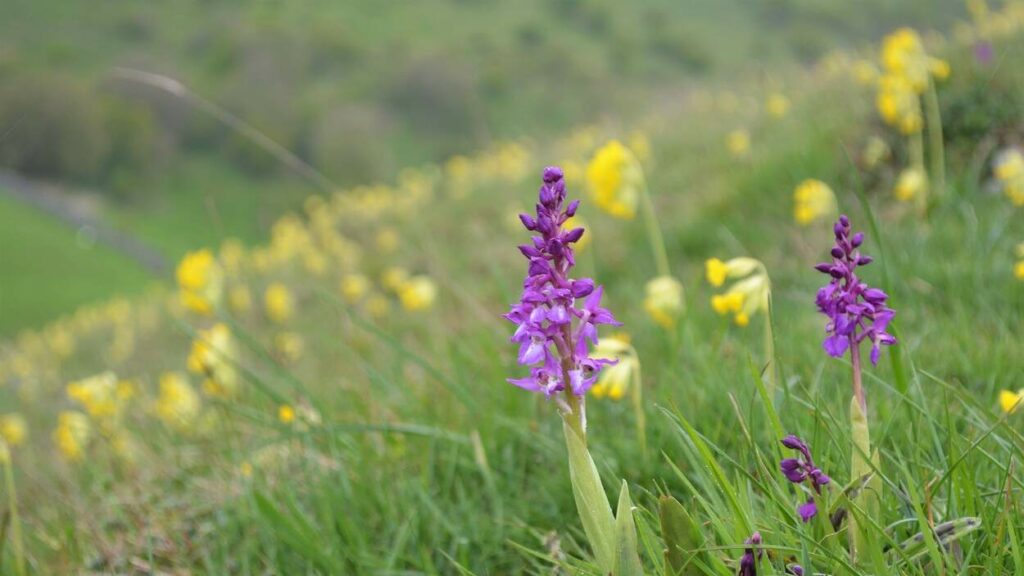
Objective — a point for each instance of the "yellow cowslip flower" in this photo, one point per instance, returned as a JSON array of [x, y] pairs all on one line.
[[576, 222], [1018, 270], [178, 404], [72, 435], [13, 429], [200, 281], [394, 278], [615, 380], [813, 200], [1011, 401], [903, 55], [240, 299], [99, 396], [875, 151], [777, 105], [615, 180], [865, 72], [354, 287], [663, 300], [749, 295], [911, 183], [387, 239], [898, 104], [738, 143], [245, 469], [278, 303], [289, 346], [213, 352], [417, 293], [286, 414], [1009, 171]]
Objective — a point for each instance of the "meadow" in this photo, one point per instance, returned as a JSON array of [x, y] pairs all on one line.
[[335, 398]]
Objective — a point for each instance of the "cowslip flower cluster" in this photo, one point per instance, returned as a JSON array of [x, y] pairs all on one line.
[[663, 300], [615, 179], [72, 435], [1018, 269], [800, 470], [903, 55], [777, 105], [749, 295], [212, 356], [278, 303], [1009, 171], [615, 380], [813, 199], [855, 311], [200, 282], [554, 335], [1011, 401], [911, 183], [13, 429], [738, 143], [899, 105]]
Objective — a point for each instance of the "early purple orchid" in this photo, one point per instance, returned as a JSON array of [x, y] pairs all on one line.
[[748, 562], [554, 335], [799, 470]]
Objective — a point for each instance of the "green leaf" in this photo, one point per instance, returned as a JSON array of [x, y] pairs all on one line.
[[680, 534], [298, 533], [627, 559], [861, 466], [591, 501]]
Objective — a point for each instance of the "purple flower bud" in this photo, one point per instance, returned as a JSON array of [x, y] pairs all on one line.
[[795, 570], [844, 220], [552, 174], [570, 211], [825, 267], [529, 251], [528, 222], [864, 260], [837, 252], [807, 510], [582, 288], [857, 239], [793, 442], [573, 235], [547, 196]]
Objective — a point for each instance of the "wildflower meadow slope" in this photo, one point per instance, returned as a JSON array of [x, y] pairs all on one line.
[[737, 338]]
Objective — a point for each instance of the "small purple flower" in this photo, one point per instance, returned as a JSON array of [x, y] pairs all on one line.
[[983, 52], [795, 570], [800, 470], [554, 335], [856, 312], [748, 562]]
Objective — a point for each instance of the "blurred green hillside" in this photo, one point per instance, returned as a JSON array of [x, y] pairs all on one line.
[[357, 89]]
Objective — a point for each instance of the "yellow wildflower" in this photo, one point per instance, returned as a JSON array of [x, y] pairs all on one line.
[[72, 434], [664, 300], [212, 354], [1018, 270], [615, 380], [898, 104], [13, 428], [289, 346], [1011, 401], [875, 151], [749, 295], [286, 414], [99, 396], [777, 105], [278, 303], [394, 278], [615, 180], [738, 142], [1009, 171], [911, 183], [418, 293], [200, 281], [903, 55], [178, 404], [354, 287], [814, 200]]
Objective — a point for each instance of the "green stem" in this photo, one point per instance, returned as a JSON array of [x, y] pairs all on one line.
[[654, 232], [916, 144], [935, 145], [769, 354], [638, 409], [12, 502]]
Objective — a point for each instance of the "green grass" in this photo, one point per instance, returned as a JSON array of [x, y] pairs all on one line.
[[48, 270]]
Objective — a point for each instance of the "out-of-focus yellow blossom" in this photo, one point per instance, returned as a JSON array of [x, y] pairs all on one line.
[[387, 239], [72, 435], [289, 346], [578, 222], [912, 182], [663, 300], [178, 404], [898, 104], [278, 303], [749, 295], [865, 72], [1011, 401], [213, 352], [875, 150], [245, 469], [232, 256], [240, 299], [813, 200], [615, 380], [100, 397], [903, 55], [615, 180], [777, 105], [354, 287], [417, 293], [394, 278], [377, 306], [738, 142], [13, 429], [286, 414], [200, 281], [1009, 170], [1018, 269]]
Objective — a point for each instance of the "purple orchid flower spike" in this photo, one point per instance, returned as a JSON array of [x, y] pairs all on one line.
[[553, 333], [800, 470], [748, 562]]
